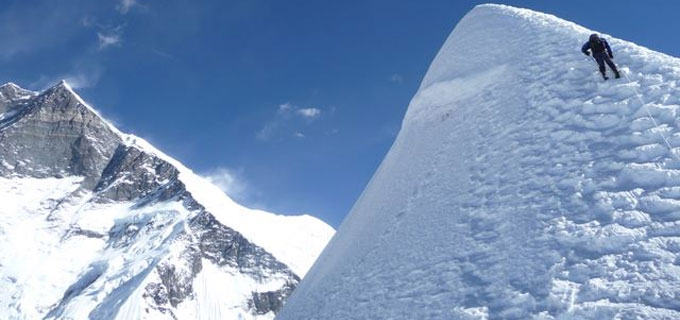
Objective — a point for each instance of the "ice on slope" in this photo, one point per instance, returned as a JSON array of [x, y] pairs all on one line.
[[27, 258], [520, 186]]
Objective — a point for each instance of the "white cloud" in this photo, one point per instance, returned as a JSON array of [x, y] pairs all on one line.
[[227, 180], [88, 21], [108, 40], [309, 112], [285, 107], [82, 80], [267, 132], [124, 6], [287, 122]]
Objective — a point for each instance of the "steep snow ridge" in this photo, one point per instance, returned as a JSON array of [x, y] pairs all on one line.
[[520, 186]]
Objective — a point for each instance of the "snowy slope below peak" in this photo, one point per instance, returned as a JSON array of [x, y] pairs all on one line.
[[521, 186], [55, 251]]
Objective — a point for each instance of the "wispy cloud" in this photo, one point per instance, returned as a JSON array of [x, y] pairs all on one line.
[[268, 130], [83, 80], [83, 76], [82, 72], [164, 54], [88, 21], [60, 23], [124, 6], [285, 107], [228, 180], [309, 113], [287, 122], [108, 40], [235, 185]]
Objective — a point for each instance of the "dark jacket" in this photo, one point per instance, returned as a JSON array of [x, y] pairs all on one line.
[[599, 48]]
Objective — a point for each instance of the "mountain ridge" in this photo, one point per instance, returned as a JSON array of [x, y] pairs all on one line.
[[129, 218]]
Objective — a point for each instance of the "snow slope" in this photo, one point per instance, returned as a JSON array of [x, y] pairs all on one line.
[[521, 186], [99, 224]]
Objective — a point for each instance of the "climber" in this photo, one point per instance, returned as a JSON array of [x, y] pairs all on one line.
[[598, 46]]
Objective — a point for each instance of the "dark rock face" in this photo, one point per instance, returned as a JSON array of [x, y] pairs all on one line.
[[224, 246], [176, 281], [132, 174], [176, 286], [54, 134], [264, 302]]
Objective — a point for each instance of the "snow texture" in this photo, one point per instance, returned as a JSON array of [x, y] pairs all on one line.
[[521, 186]]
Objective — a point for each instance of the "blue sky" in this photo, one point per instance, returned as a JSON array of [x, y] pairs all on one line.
[[289, 105]]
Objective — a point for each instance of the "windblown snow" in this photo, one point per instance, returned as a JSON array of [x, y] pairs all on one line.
[[521, 186]]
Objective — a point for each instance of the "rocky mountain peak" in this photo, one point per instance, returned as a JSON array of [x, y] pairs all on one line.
[[54, 133], [11, 94], [12, 89], [123, 234], [61, 96], [8, 87]]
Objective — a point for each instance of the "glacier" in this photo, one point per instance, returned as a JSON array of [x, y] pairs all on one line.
[[520, 186], [98, 224]]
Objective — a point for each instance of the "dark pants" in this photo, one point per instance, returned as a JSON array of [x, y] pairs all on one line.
[[601, 58]]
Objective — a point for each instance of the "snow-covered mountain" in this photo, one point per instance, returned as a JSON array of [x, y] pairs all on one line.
[[98, 224], [521, 186]]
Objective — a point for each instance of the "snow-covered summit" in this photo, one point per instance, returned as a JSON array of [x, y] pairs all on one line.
[[521, 186], [12, 88], [11, 94], [96, 223]]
